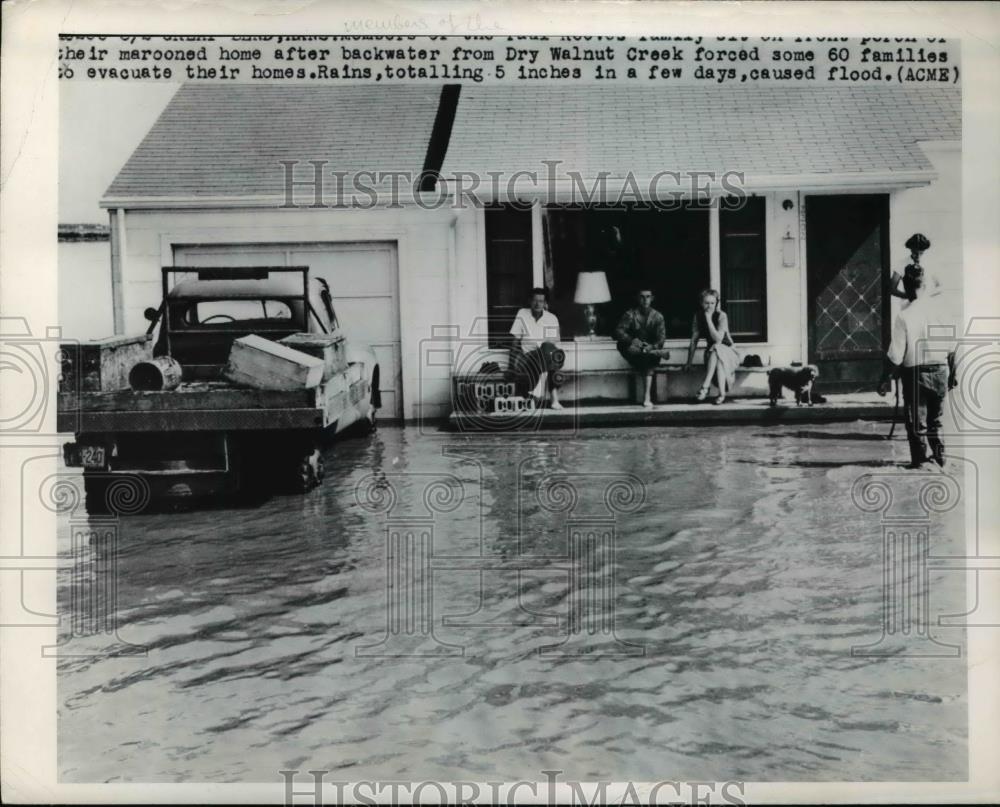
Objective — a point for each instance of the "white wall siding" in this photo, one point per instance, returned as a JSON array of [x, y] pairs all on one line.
[[935, 211], [85, 289]]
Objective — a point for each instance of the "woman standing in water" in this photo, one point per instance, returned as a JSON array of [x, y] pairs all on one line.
[[721, 358]]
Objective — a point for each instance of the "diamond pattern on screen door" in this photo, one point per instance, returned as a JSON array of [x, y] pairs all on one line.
[[848, 314]]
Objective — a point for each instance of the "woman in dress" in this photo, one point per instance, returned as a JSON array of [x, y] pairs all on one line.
[[721, 358]]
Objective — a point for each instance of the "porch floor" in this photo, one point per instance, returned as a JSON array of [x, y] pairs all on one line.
[[844, 407]]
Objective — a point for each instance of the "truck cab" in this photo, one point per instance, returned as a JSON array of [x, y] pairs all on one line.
[[202, 316]]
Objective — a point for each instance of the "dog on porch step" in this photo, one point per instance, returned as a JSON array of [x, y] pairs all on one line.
[[798, 379]]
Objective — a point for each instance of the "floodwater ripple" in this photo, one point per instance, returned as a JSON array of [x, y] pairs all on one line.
[[745, 577]]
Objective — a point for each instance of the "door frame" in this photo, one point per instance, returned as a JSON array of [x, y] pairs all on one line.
[[885, 255]]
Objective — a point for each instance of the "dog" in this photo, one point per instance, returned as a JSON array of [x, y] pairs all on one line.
[[798, 379]]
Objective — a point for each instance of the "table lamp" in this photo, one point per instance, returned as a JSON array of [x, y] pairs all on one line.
[[591, 290]]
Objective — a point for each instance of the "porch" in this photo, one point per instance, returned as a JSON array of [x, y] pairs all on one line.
[[837, 408]]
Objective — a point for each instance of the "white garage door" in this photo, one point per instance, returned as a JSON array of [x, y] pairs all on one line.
[[363, 281]]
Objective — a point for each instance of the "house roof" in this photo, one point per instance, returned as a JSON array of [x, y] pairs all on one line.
[[226, 142], [763, 131], [219, 140]]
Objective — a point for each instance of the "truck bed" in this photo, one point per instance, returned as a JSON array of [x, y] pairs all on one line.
[[204, 406]]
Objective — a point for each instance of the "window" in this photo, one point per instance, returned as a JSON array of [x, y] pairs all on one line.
[[223, 312], [508, 268], [742, 264], [666, 251]]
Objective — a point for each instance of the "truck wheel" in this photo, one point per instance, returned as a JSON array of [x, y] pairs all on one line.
[[310, 471], [374, 402], [371, 420]]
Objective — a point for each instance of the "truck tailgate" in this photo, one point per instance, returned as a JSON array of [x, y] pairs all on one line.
[[195, 406]]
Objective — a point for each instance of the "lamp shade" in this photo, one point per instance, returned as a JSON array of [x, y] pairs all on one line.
[[592, 288]]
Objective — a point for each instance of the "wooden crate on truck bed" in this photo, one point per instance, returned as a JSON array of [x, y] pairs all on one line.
[[330, 347], [101, 365], [260, 363]]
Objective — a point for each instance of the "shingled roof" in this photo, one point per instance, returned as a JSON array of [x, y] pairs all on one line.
[[759, 130], [228, 140]]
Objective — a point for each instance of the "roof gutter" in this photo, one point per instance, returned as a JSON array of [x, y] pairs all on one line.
[[615, 189], [689, 185]]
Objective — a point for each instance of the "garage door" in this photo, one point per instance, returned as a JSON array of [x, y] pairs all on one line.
[[363, 281]]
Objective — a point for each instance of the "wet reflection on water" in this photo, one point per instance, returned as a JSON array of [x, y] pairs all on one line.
[[741, 571]]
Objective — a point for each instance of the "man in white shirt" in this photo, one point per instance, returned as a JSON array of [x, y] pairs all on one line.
[[927, 375], [534, 355]]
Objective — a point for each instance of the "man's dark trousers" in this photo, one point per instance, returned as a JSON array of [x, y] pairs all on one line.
[[924, 388], [545, 359]]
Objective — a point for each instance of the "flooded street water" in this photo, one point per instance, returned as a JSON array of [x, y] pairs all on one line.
[[742, 575]]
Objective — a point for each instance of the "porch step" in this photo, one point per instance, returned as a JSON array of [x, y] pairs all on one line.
[[671, 383], [838, 408]]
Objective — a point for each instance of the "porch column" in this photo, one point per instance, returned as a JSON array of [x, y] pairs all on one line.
[[537, 245], [714, 260], [117, 227]]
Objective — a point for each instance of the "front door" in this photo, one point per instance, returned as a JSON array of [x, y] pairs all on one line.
[[847, 256]]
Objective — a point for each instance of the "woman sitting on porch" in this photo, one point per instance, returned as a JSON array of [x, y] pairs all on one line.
[[721, 358]]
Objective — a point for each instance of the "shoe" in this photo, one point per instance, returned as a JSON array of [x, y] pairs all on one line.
[[720, 400], [647, 404], [555, 405], [938, 456], [702, 394]]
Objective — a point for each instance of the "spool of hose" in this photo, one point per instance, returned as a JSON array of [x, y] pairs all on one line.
[[154, 375]]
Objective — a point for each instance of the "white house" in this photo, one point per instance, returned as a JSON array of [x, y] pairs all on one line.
[[836, 179]]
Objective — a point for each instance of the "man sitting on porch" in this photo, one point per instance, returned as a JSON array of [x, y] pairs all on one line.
[[640, 334], [534, 356]]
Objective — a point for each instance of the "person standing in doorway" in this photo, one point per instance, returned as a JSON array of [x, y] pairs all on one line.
[[640, 335], [926, 375], [534, 356]]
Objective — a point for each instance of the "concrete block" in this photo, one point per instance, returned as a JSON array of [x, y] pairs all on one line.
[[513, 404]]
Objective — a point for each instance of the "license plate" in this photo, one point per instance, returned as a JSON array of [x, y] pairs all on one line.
[[86, 456], [92, 456]]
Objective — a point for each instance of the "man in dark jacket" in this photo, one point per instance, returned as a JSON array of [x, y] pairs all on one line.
[[640, 334]]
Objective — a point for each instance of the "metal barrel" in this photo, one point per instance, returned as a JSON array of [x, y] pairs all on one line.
[[161, 373]]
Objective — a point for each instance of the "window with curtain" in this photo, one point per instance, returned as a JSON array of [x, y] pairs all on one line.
[[742, 264]]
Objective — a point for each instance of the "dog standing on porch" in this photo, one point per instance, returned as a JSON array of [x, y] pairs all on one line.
[[798, 379]]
